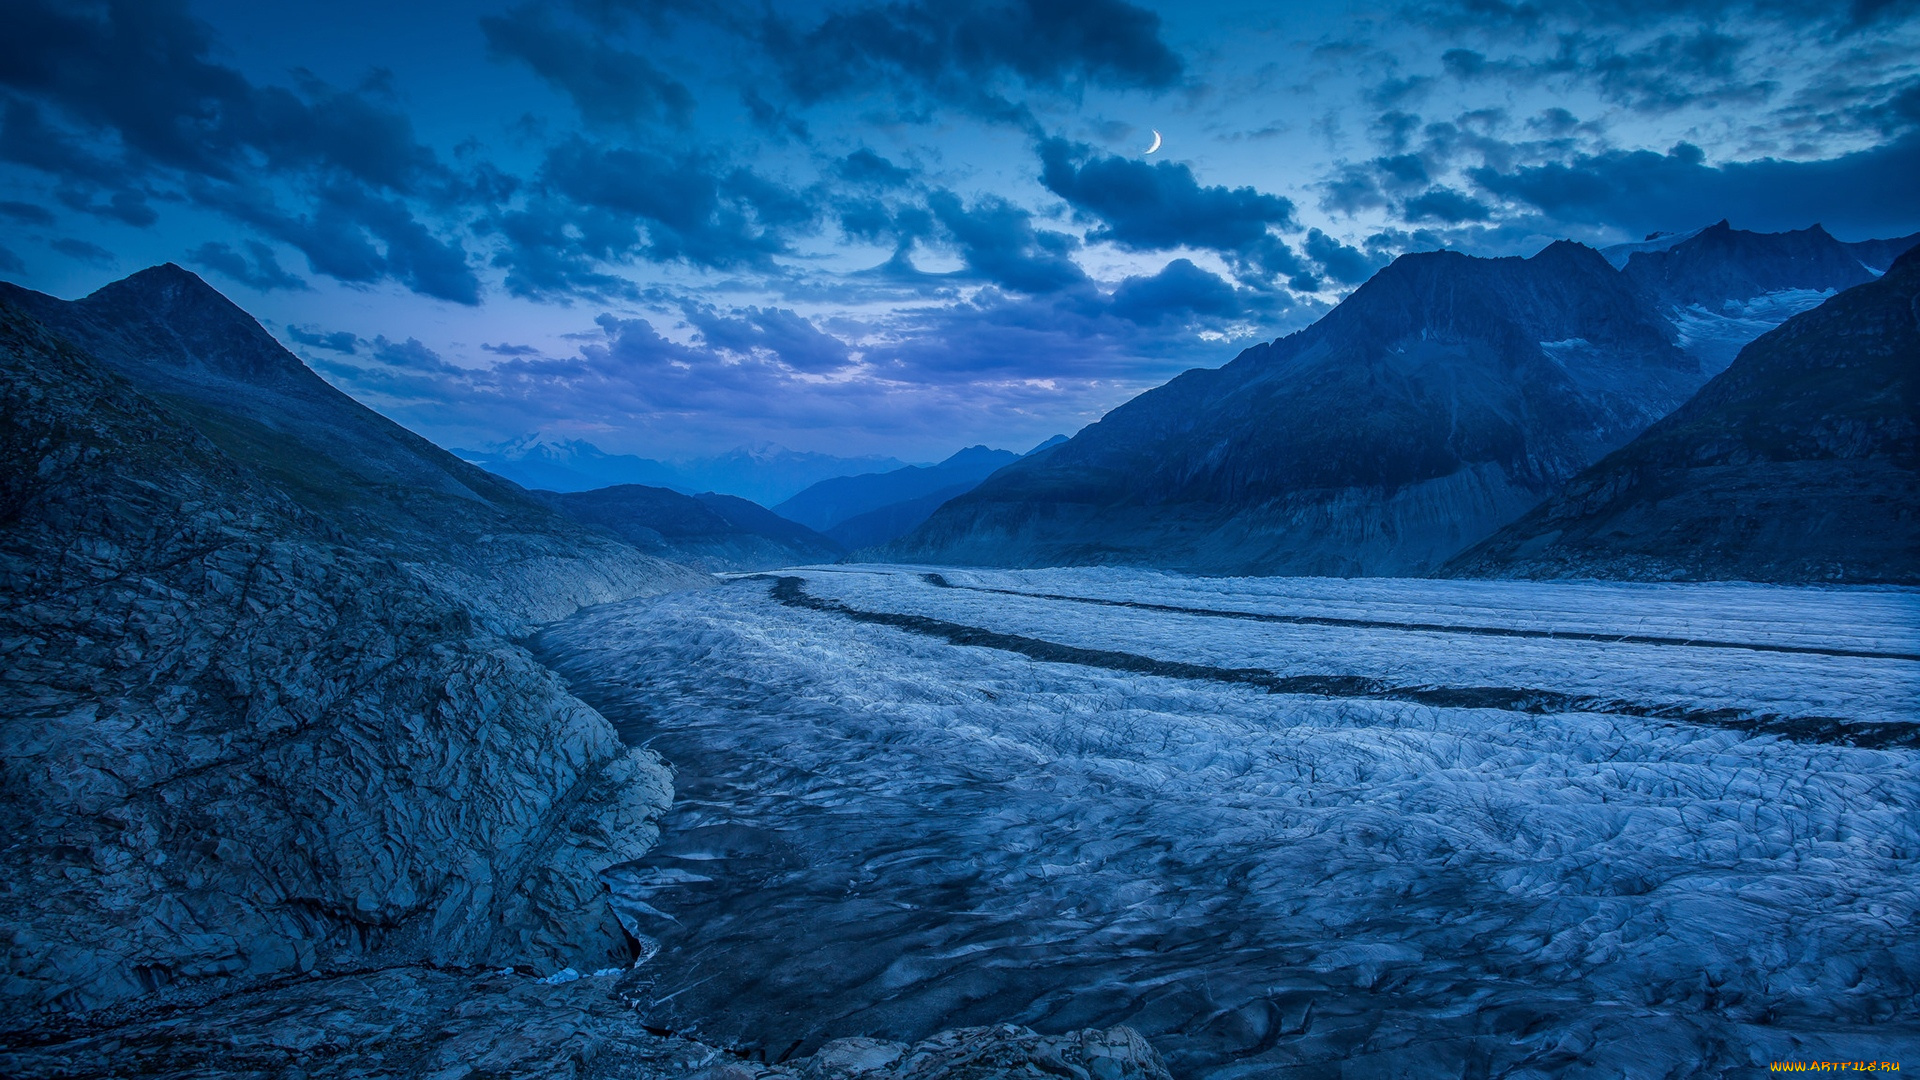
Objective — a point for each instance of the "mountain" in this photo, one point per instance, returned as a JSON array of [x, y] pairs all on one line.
[[769, 474], [244, 746], [545, 464], [1722, 287], [1440, 400], [1879, 255], [830, 502], [1800, 462], [762, 474], [511, 558], [713, 532]]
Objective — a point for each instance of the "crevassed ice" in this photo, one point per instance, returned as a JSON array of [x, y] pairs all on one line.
[[882, 833]]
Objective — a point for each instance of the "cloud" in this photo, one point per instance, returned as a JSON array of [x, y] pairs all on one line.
[[89, 253], [1179, 289], [596, 205], [26, 213], [1869, 192], [1341, 262], [868, 169], [772, 332], [954, 51], [608, 85], [9, 262], [1446, 205], [120, 100], [1150, 207], [263, 272], [504, 349], [340, 341], [999, 244]]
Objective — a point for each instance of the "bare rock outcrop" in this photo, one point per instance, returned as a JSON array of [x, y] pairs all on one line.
[[234, 745]]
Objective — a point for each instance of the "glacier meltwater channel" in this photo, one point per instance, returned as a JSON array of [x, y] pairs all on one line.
[[1388, 827]]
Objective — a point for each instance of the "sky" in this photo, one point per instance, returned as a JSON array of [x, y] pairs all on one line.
[[674, 227]]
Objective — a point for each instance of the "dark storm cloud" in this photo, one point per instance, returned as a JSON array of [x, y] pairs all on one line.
[[139, 103], [607, 84], [89, 253], [1152, 207], [953, 50], [262, 272], [1870, 192]]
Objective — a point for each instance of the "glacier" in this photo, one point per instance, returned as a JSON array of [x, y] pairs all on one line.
[[1682, 841]]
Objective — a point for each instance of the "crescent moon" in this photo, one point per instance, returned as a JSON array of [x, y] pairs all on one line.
[[1156, 143]]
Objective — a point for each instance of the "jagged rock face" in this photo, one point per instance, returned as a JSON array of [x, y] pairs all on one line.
[[712, 532], [235, 746], [1720, 264], [1800, 462], [510, 558], [1441, 399]]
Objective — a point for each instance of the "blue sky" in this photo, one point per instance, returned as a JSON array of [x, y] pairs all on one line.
[[676, 226]]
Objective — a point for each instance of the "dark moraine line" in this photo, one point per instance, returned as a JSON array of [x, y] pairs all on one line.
[[792, 592], [1438, 628]]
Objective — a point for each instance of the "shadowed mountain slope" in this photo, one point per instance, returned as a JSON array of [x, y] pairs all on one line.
[[239, 747], [1800, 462], [1720, 263], [509, 555], [713, 532], [1441, 399]]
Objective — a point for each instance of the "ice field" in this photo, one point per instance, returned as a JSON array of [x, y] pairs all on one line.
[[1281, 826]]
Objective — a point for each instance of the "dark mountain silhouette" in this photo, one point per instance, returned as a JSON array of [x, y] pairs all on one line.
[[711, 531], [1800, 462], [1443, 398]]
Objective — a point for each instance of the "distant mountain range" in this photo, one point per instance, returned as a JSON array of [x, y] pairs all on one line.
[[764, 474], [1441, 400], [1799, 462], [711, 531], [862, 511]]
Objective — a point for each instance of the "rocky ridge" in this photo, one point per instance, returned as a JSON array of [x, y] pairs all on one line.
[[1800, 462], [491, 545]]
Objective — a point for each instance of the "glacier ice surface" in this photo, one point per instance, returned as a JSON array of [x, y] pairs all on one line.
[[881, 833]]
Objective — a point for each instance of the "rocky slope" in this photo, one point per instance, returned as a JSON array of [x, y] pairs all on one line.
[[508, 557], [1800, 462], [1444, 397], [239, 747], [710, 531]]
